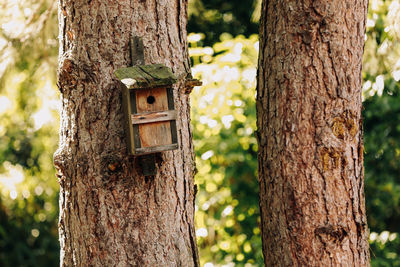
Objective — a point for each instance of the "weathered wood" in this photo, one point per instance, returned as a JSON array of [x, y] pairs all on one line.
[[157, 116], [310, 133], [174, 132], [155, 134], [170, 97], [128, 104], [146, 76], [137, 50], [148, 150], [117, 217], [160, 100]]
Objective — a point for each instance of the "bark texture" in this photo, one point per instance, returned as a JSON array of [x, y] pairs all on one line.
[[110, 215], [310, 133]]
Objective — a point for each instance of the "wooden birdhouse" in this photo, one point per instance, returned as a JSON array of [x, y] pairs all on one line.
[[148, 104]]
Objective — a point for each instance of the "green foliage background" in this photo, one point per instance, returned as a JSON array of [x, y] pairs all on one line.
[[224, 53]]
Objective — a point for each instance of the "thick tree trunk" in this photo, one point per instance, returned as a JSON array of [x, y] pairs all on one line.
[[310, 133], [110, 215]]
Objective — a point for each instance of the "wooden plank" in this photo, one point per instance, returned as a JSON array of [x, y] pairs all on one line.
[[136, 136], [159, 72], [160, 102], [157, 116], [148, 150], [174, 132], [155, 134], [170, 96], [126, 107], [146, 76], [132, 99], [137, 50]]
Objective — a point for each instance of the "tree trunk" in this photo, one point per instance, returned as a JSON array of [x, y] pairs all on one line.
[[310, 133], [111, 215]]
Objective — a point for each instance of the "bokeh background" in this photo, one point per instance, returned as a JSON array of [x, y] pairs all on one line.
[[223, 48]]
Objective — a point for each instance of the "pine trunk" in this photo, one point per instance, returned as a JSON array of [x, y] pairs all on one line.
[[110, 214], [310, 133]]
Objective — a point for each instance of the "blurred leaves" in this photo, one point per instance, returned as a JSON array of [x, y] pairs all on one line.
[[28, 134], [215, 17], [224, 120]]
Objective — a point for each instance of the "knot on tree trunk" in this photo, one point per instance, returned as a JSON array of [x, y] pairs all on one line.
[[331, 233]]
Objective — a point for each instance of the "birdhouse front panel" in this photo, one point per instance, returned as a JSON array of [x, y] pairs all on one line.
[[155, 99], [154, 104]]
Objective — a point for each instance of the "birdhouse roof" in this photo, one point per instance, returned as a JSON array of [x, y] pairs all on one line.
[[146, 76]]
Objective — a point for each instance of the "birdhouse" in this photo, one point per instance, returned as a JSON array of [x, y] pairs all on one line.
[[148, 105]]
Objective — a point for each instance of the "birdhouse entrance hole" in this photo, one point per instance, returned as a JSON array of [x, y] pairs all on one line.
[[151, 99]]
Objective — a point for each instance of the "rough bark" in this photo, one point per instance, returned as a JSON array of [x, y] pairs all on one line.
[[111, 215], [310, 133]]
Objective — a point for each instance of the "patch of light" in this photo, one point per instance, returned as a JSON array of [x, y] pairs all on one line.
[[38, 190], [257, 46], [14, 175], [194, 37], [384, 236], [227, 120], [231, 57], [370, 23], [230, 74], [202, 232], [224, 245], [367, 85], [41, 117], [238, 48], [373, 236], [203, 119], [379, 85], [383, 47], [396, 76], [5, 104], [28, 12], [228, 210], [249, 131], [13, 194], [209, 97], [35, 232], [208, 51], [205, 206], [394, 6], [238, 103], [207, 155], [13, 28], [208, 264], [249, 74], [26, 193], [374, 5], [392, 236]]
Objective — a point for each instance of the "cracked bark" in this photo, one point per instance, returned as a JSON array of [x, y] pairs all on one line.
[[110, 215], [310, 133]]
